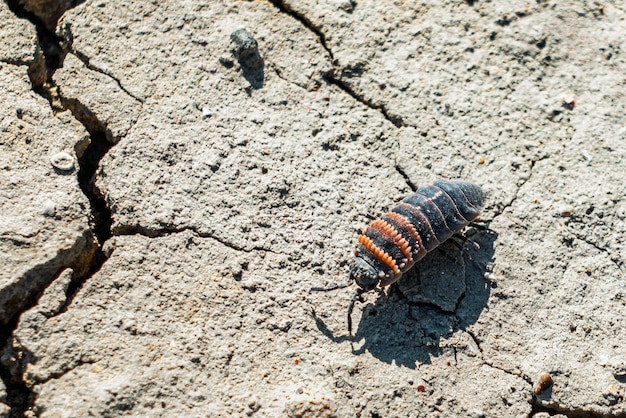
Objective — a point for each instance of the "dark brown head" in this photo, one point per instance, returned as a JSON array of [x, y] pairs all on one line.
[[362, 272]]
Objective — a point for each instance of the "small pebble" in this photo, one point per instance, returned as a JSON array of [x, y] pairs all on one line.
[[206, 112], [545, 381], [246, 49], [62, 161], [346, 5], [226, 61], [48, 208]]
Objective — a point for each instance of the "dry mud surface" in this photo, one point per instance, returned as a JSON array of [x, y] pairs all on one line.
[[171, 187]]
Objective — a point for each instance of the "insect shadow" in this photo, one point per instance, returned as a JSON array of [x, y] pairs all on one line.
[[445, 292]]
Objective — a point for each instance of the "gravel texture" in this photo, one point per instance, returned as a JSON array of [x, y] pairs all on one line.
[[235, 147]]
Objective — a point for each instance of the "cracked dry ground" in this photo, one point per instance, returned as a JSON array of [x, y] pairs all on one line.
[[168, 272]]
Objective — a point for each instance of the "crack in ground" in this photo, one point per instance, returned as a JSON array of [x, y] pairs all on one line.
[[127, 230], [615, 260], [519, 188], [287, 80], [515, 373], [101, 217], [397, 121], [407, 180], [58, 375], [17, 62], [284, 8], [334, 77], [85, 60], [20, 398]]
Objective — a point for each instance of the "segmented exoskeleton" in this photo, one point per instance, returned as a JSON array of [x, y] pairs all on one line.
[[392, 244]]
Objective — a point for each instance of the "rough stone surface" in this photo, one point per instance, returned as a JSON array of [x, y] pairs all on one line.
[[18, 38], [234, 188], [44, 219]]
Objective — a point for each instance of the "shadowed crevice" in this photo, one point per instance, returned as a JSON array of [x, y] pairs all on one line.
[[49, 43], [19, 396], [406, 178], [89, 163], [101, 218]]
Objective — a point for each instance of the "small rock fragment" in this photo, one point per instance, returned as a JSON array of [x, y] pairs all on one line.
[[226, 61], [246, 49], [254, 406], [569, 103], [62, 161], [346, 5], [566, 211], [206, 112], [49, 208]]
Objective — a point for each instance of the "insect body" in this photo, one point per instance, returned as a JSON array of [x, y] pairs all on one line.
[[392, 244]]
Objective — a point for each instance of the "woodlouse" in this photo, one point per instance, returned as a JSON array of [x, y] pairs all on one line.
[[392, 244]]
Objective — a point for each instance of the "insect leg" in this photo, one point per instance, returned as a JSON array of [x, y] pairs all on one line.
[[482, 226], [461, 240]]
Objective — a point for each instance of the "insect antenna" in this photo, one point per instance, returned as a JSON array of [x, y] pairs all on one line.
[[334, 287]]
